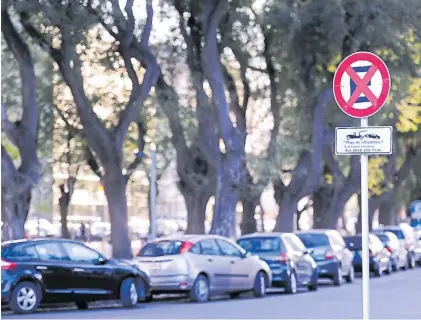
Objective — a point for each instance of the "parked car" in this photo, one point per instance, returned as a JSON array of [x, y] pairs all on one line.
[[380, 261], [406, 242], [202, 265], [287, 257], [398, 255], [60, 270], [328, 249], [418, 247]]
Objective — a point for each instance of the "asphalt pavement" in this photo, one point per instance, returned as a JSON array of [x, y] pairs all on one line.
[[395, 296]]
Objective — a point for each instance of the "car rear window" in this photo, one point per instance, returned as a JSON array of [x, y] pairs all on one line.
[[383, 238], [161, 248], [313, 240], [19, 253], [353, 243], [397, 233], [262, 245]]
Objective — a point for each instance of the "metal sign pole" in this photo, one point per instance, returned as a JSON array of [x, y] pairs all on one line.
[[365, 230]]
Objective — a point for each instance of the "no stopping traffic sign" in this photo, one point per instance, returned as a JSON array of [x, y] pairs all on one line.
[[361, 84]]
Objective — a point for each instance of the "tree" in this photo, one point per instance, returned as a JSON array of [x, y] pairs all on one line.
[[18, 181], [68, 22]]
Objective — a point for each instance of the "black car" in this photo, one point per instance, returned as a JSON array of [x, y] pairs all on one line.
[[61, 270], [355, 136], [372, 136], [328, 249], [379, 258], [287, 257]]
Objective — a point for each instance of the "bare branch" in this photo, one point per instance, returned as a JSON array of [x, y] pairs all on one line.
[[141, 132]]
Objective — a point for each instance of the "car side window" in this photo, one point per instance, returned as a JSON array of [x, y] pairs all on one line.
[[22, 253], [228, 249], [196, 249], [79, 253], [210, 247], [50, 251]]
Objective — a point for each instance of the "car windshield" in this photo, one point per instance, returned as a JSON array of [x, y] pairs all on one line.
[[353, 243], [161, 248], [261, 245], [397, 233], [313, 240]]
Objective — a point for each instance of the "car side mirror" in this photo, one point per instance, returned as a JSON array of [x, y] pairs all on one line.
[[102, 260], [246, 254]]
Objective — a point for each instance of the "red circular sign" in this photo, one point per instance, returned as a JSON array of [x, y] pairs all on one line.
[[361, 84]]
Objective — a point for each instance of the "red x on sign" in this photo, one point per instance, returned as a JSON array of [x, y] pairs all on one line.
[[348, 85]]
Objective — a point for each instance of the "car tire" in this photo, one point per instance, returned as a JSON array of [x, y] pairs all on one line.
[[291, 286], [395, 266], [389, 269], [81, 305], [377, 271], [259, 287], [234, 295], [411, 262], [128, 293], [25, 297], [200, 291], [338, 277], [350, 277]]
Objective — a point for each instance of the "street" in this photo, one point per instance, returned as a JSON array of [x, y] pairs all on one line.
[[392, 297]]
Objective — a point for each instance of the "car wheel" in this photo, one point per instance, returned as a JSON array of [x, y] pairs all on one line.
[[128, 293], [395, 266], [350, 277], [259, 288], [389, 269], [25, 297], [377, 271], [291, 286], [338, 277], [411, 262], [81, 305], [234, 295], [200, 291]]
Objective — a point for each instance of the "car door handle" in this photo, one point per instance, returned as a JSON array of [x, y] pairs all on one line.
[[210, 260], [78, 270], [41, 267]]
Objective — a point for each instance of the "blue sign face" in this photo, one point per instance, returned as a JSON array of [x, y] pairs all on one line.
[[415, 206], [353, 85]]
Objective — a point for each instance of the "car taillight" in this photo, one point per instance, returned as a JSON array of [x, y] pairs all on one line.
[[283, 258], [329, 255], [389, 249], [6, 265], [186, 246]]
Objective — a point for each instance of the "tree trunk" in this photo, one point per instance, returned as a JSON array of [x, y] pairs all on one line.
[[114, 184], [322, 201], [196, 202], [15, 209], [64, 202], [226, 198], [287, 207], [387, 214], [248, 223]]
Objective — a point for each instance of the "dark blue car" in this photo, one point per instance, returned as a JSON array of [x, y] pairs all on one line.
[[380, 261], [328, 249], [287, 257]]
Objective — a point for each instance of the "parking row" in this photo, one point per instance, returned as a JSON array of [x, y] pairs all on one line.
[[199, 266]]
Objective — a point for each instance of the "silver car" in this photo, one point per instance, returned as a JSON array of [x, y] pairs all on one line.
[[202, 265]]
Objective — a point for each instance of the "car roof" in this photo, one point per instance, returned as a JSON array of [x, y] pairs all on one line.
[[37, 240], [263, 234], [189, 237], [315, 231]]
